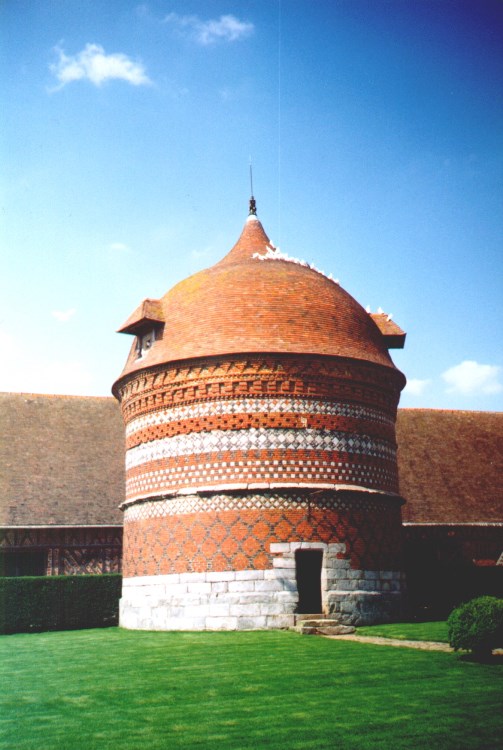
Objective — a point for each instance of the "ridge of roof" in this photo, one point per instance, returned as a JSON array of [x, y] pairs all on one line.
[[53, 395]]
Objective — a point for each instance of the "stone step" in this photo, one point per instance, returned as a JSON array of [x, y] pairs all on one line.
[[314, 622], [311, 616], [326, 629]]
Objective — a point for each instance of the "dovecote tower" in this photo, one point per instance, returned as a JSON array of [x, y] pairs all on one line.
[[259, 401]]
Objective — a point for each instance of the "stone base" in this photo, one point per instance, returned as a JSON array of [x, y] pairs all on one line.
[[258, 599]]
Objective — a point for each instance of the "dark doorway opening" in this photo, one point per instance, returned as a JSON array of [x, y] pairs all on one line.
[[308, 574]]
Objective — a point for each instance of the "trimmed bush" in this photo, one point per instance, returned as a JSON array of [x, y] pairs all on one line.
[[34, 604], [477, 626]]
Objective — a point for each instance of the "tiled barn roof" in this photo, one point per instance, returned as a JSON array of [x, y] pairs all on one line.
[[256, 299], [61, 460], [450, 465]]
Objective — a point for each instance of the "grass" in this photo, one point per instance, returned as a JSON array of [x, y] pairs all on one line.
[[409, 631], [113, 689]]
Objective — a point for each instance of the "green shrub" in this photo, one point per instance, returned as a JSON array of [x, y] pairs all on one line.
[[477, 626], [34, 604]]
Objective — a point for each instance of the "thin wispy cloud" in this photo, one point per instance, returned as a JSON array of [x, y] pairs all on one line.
[[64, 315], [94, 65], [227, 28], [470, 377]]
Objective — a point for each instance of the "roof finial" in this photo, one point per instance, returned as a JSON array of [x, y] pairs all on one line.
[[253, 205]]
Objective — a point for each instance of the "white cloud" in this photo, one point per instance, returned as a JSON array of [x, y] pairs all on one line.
[[227, 28], [93, 64], [470, 377], [416, 387], [63, 315]]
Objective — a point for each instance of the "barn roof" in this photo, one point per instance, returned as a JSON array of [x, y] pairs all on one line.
[[61, 460], [451, 465]]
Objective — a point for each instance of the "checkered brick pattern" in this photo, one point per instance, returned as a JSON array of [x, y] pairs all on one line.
[[204, 424]]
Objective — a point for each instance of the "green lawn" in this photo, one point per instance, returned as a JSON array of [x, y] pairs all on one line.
[[410, 631], [114, 689]]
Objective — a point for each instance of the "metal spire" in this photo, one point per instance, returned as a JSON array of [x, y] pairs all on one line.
[[253, 205]]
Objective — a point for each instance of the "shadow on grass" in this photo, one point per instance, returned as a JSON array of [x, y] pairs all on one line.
[[482, 658]]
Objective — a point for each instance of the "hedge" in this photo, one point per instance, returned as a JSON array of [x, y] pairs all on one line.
[[477, 625], [33, 604]]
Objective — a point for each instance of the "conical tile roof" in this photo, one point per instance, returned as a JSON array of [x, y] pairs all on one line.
[[258, 300]]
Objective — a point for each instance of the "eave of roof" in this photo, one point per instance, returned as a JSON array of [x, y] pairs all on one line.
[[149, 313]]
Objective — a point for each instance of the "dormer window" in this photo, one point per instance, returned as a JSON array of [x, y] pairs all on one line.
[[144, 343]]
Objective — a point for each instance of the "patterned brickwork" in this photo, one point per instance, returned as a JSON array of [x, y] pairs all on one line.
[[238, 468], [234, 532], [260, 419], [355, 386]]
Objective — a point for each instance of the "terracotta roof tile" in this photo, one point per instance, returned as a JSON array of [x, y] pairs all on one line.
[[246, 305], [393, 334], [61, 460], [450, 465], [149, 312]]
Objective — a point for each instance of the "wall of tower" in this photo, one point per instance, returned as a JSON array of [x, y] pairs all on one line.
[[229, 461], [266, 419]]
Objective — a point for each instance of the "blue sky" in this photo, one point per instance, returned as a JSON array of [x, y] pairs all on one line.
[[376, 133]]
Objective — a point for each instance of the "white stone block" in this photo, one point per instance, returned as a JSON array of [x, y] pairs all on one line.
[[337, 564], [294, 546], [186, 623], [241, 586], [219, 588], [176, 589], [221, 623], [280, 547], [249, 575], [371, 575], [268, 585], [192, 577], [195, 610], [368, 585], [354, 574], [244, 610], [219, 610], [225, 575], [250, 598], [198, 588], [336, 548], [277, 608], [280, 621], [313, 545], [282, 562]]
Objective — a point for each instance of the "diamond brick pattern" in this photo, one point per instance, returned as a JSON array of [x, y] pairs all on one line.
[[186, 504], [185, 542]]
